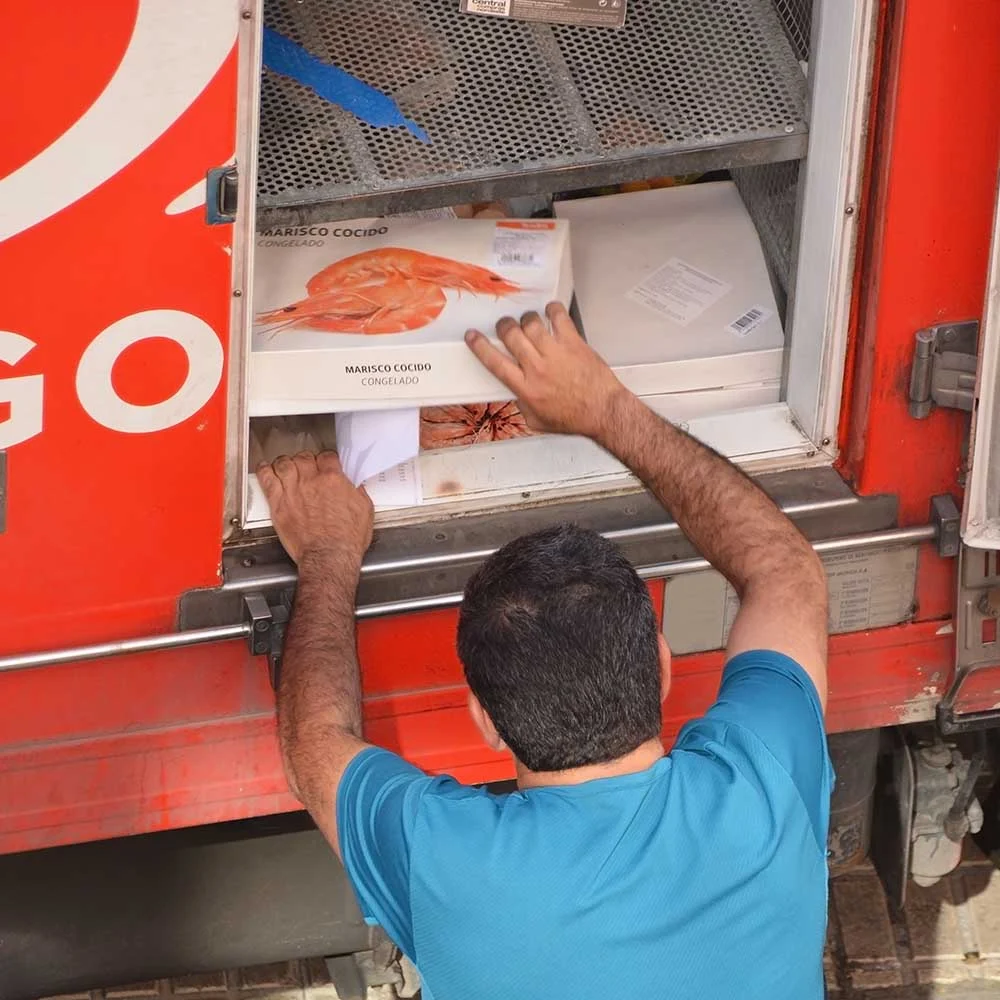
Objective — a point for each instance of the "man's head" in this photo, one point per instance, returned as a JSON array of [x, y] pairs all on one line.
[[560, 645]]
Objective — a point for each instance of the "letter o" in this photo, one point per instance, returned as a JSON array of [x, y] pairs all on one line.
[[97, 394]]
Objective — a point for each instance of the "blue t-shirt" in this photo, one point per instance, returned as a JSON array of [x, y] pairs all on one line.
[[703, 876]]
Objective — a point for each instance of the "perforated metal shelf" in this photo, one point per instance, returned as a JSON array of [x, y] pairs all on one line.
[[522, 108]]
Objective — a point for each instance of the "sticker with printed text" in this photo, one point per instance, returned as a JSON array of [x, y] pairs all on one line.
[[522, 244], [596, 13], [679, 291]]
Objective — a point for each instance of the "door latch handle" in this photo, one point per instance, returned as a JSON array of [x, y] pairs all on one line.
[[222, 195]]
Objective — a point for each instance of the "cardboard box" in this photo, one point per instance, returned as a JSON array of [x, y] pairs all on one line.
[[673, 288], [371, 314], [491, 466]]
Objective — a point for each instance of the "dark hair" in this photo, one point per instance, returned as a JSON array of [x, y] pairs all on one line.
[[558, 638]]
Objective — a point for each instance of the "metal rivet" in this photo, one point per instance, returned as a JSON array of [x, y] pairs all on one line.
[[789, 128], [440, 536], [246, 15], [235, 520], [260, 626], [849, 210], [825, 442], [247, 562], [237, 293]]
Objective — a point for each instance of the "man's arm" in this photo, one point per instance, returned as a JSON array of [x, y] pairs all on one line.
[[563, 386], [325, 525]]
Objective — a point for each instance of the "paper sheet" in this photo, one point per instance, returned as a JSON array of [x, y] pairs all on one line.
[[371, 441], [396, 487]]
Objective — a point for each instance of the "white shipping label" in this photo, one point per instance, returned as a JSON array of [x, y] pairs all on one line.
[[497, 8], [600, 13], [750, 320], [396, 487], [522, 244], [679, 291]]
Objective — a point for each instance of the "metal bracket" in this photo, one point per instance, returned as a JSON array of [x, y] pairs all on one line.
[[268, 623], [947, 518], [944, 368], [221, 195], [977, 642]]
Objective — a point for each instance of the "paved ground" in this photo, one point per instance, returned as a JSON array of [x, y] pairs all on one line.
[[946, 943], [944, 946]]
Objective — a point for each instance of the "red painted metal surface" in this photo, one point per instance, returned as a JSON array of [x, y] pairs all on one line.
[[105, 528], [934, 182], [174, 767]]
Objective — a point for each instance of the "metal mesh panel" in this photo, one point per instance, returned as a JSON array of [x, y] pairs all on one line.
[[770, 193], [513, 106], [796, 18]]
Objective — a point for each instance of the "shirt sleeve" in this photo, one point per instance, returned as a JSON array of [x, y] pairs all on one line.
[[377, 803], [770, 696]]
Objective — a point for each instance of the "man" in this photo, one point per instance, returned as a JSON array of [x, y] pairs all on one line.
[[615, 871]]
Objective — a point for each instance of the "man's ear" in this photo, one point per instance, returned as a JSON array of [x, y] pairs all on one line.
[[485, 725], [664, 667]]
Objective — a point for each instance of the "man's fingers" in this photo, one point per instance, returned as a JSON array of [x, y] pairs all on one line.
[[562, 326], [285, 469], [305, 462], [267, 479], [496, 362], [535, 330], [516, 341], [329, 461]]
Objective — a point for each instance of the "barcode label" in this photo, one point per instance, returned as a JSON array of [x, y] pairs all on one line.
[[498, 8], [521, 247], [526, 259], [749, 321]]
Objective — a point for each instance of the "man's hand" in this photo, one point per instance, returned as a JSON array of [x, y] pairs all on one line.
[[560, 382], [315, 508]]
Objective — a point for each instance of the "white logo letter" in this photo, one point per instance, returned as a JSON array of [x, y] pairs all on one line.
[[93, 376], [24, 393]]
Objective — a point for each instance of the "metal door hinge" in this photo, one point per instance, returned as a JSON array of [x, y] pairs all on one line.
[[222, 195], [944, 368]]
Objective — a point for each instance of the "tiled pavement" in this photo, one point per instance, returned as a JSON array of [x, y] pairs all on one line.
[[945, 943], [944, 946]]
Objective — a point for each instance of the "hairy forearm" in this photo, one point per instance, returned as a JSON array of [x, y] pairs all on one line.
[[319, 696], [730, 520]]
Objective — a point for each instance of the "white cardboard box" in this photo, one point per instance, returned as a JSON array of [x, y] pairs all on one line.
[[514, 466], [673, 288], [371, 314]]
